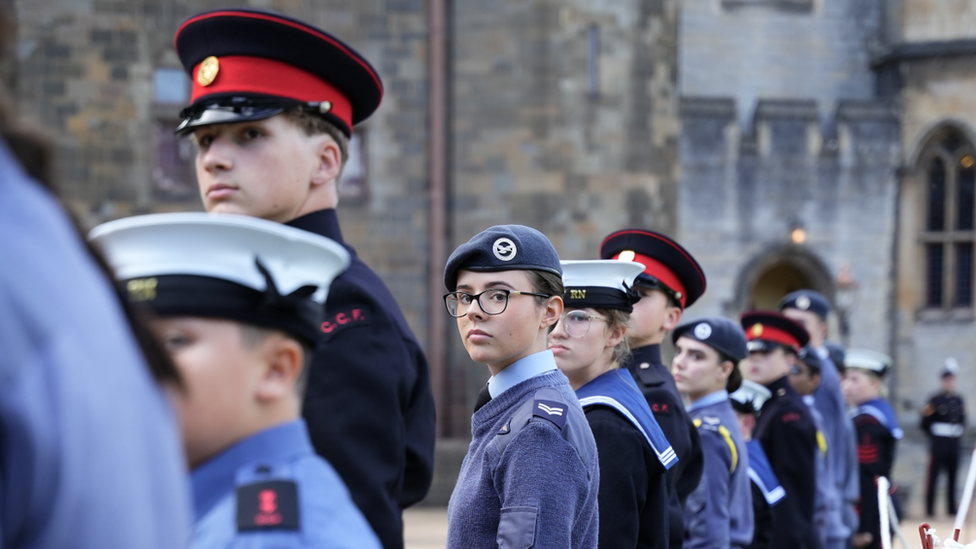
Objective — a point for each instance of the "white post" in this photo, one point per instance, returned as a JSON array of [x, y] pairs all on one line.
[[967, 495], [883, 512]]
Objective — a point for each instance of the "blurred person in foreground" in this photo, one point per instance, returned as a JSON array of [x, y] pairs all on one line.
[[89, 450], [238, 303]]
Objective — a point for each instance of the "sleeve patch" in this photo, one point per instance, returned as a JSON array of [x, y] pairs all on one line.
[[550, 410], [267, 505], [343, 319], [661, 408], [867, 453], [791, 417]]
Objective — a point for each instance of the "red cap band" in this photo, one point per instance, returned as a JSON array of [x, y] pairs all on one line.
[[661, 272], [238, 74], [769, 333]]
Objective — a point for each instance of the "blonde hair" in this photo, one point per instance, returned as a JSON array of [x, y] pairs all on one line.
[[618, 319]]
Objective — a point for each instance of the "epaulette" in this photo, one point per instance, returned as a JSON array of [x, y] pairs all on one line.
[[715, 425], [547, 405], [822, 443]]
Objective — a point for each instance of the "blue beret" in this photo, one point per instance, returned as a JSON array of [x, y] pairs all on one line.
[[806, 300], [503, 248], [719, 333]]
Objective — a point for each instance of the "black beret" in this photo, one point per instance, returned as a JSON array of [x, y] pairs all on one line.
[[764, 329], [503, 248], [249, 65], [665, 262], [719, 333], [806, 300]]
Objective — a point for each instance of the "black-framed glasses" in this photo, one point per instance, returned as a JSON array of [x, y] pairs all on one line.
[[493, 301], [577, 323]]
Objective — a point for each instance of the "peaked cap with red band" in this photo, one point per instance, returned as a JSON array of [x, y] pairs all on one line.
[[250, 65], [667, 266], [765, 327]]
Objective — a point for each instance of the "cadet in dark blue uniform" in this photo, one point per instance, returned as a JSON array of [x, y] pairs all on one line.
[[718, 513], [274, 101], [877, 434], [810, 309], [238, 304], [785, 427], [672, 281], [943, 419], [531, 475], [588, 343], [747, 400]]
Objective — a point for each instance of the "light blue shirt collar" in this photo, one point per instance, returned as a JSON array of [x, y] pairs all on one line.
[[709, 399], [522, 369]]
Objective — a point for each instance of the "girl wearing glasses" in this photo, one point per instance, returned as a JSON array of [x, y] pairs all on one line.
[[589, 342], [530, 477]]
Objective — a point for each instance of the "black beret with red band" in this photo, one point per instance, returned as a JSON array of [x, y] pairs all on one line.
[[249, 64]]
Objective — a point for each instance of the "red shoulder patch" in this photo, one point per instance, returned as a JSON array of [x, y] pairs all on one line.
[[661, 408], [791, 417]]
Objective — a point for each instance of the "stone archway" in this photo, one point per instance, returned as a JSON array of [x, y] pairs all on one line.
[[779, 271]]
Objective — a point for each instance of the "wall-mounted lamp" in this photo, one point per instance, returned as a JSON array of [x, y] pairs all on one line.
[[797, 234]]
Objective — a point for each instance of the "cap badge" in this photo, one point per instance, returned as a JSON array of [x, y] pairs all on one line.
[[757, 330], [142, 289], [208, 71], [325, 107], [703, 330], [626, 255], [803, 303], [504, 249]]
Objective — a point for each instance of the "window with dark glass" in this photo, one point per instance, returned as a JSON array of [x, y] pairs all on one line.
[[948, 235]]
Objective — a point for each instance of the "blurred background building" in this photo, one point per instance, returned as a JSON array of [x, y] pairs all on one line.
[[826, 144]]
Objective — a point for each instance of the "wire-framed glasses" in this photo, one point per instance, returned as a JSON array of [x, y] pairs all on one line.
[[493, 301], [577, 323]]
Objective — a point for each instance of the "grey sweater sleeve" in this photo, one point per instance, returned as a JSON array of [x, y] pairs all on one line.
[[543, 487]]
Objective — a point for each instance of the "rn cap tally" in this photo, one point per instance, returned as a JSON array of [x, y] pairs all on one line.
[[224, 266], [250, 65], [601, 284], [667, 266], [503, 248]]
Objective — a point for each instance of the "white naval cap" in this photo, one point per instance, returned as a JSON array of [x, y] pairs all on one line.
[[224, 266], [865, 359], [601, 283]]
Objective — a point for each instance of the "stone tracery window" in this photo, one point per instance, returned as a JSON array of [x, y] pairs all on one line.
[[947, 237]]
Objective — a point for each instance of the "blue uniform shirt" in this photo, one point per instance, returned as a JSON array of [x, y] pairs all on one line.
[[838, 429], [319, 513], [719, 512], [89, 452]]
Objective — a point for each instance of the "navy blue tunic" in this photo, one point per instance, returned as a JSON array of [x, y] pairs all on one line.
[[368, 405], [658, 387]]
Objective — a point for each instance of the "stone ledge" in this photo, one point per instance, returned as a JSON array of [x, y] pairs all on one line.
[[717, 107]]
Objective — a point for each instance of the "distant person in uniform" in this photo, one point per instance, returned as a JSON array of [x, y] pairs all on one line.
[[785, 426], [531, 476], [239, 303], [747, 400], [589, 342], [706, 368], [90, 454], [811, 310], [671, 282], [805, 378], [877, 435], [273, 104], [943, 420]]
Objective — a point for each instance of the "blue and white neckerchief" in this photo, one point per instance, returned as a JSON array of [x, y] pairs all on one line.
[[761, 473], [618, 390], [880, 410]]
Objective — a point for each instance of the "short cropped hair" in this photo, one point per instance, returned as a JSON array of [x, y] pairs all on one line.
[[315, 125], [252, 336]]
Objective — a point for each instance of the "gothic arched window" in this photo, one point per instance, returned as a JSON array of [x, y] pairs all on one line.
[[948, 228]]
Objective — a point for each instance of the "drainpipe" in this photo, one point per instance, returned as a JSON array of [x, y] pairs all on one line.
[[435, 288]]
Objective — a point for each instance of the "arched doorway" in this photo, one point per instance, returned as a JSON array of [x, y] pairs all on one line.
[[777, 272]]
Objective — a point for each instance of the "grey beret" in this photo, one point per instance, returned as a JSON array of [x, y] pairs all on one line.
[[503, 248]]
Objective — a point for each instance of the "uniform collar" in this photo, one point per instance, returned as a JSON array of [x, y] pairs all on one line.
[[779, 389], [522, 369], [216, 477], [322, 222], [709, 399], [650, 354]]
